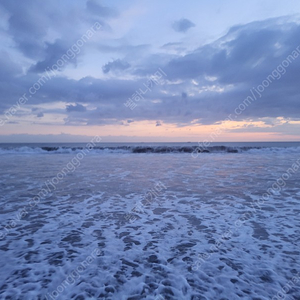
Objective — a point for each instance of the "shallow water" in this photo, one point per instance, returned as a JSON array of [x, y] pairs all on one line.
[[188, 238]]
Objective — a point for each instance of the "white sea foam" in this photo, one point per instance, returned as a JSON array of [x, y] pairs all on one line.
[[192, 148], [155, 253]]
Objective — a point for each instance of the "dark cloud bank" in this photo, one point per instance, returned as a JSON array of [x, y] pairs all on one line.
[[202, 87]]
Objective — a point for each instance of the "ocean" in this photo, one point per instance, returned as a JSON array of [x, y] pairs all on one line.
[[154, 221]]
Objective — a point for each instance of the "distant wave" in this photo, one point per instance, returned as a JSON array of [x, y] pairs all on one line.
[[140, 149]]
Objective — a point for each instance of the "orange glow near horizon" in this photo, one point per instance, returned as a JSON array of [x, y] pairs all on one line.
[[147, 130]]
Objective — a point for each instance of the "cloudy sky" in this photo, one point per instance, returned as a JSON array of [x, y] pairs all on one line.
[[141, 70]]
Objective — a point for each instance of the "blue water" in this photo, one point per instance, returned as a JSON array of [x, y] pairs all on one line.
[[109, 224]]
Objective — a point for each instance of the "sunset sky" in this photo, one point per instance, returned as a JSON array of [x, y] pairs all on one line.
[[69, 69]]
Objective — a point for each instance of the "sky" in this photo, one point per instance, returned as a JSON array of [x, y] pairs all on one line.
[[138, 71]]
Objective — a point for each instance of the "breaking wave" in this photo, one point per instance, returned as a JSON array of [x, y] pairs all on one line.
[[195, 150]]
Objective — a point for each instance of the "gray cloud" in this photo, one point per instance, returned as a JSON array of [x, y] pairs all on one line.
[[96, 8], [40, 115], [44, 33], [201, 87], [53, 53], [75, 108], [23, 27], [116, 65], [182, 25]]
